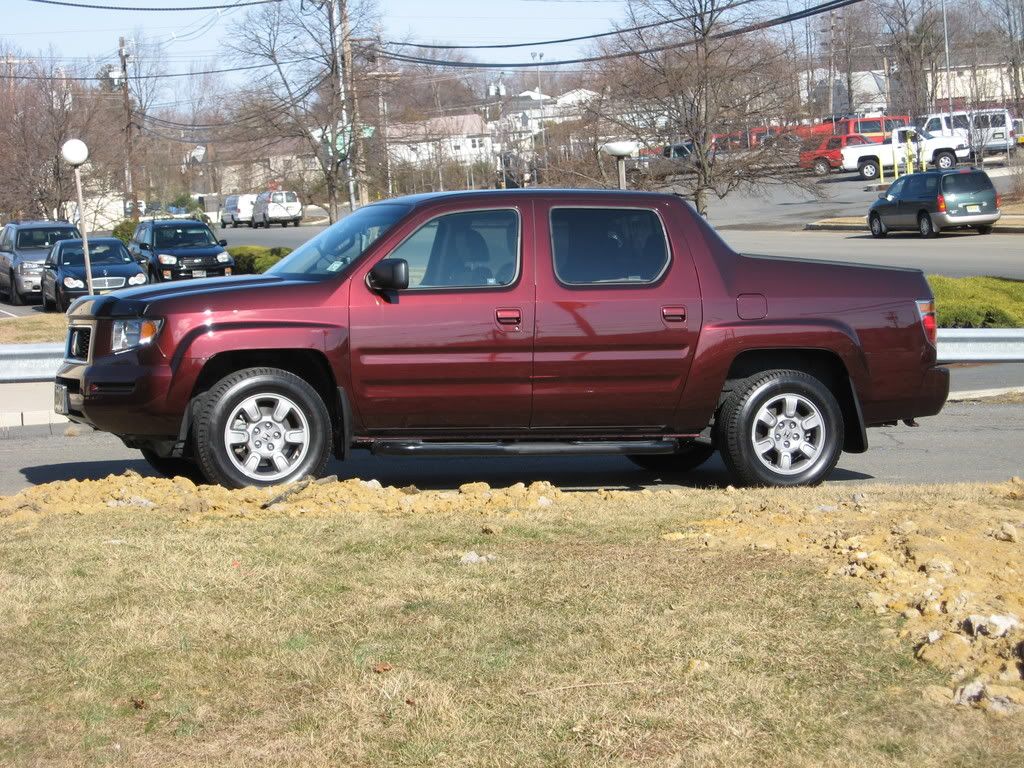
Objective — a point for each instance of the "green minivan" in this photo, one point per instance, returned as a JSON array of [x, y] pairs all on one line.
[[932, 201]]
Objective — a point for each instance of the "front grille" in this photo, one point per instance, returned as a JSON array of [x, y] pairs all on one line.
[[79, 340], [107, 283], [204, 261]]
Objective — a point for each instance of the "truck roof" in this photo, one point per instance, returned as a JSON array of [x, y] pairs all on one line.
[[427, 197]]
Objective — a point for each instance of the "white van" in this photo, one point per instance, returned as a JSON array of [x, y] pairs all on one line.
[[276, 207], [986, 130], [237, 210]]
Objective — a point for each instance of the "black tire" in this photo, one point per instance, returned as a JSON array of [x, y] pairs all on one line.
[[252, 224], [63, 303], [48, 306], [877, 227], [687, 458], [984, 229], [234, 223], [925, 227], [14, 297], [171, 467], [218, 406], [822, 167], [868, 170], [737, 426], [944, 160]]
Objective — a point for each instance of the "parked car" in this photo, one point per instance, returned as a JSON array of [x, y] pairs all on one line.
[[984, 130], [237, 210], [276, 208], [825, 155], [508, 323], [24, 246], [869, 159], [932, 201], [64, 271], [176, 249]]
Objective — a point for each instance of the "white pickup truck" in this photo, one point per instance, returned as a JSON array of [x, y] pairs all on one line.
[[941, 151]]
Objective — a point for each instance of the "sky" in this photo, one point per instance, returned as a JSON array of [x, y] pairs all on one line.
[[196, 35]]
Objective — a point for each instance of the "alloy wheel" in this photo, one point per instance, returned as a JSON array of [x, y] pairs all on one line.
[[267, 436], [788, 433]]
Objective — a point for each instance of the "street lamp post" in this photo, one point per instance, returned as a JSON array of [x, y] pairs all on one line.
[[620, 150], [75, 153]]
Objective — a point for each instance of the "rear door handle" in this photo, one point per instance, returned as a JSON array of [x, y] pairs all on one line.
[[673, 314], [508, 316]]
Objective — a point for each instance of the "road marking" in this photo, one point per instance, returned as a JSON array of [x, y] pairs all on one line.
[[9, 314]]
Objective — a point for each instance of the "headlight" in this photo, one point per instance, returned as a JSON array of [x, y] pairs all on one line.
[[30, 267], [139, 279], [166, 258], [73, 282], [129, 334], [224, 257]]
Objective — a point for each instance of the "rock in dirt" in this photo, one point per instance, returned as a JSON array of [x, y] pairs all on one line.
[[950, 651], [996, 625], [1007, 532], [472, 558]]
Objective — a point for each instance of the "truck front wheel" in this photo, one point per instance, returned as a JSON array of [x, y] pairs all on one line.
[[689, 456], [780, 428], [260, 427]]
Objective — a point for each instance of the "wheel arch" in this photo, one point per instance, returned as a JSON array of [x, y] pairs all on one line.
[[824, 365]]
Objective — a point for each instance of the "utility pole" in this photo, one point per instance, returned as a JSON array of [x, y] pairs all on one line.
[[949, 87], [337, 15], [831, 63], [356, 134], [129, 188]]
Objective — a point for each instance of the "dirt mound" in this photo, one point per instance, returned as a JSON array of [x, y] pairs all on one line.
[[948, 560]]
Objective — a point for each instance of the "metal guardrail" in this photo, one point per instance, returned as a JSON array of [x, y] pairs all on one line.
[[29, 362], [981, 345], [39, 362]]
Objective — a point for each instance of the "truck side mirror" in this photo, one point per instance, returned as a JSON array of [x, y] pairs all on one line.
[[389, 275]]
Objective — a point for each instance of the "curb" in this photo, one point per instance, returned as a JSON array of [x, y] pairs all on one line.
[[981, 394], [826, 226]]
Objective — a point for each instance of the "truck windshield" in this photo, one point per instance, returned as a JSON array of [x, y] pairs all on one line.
[[330, 252]]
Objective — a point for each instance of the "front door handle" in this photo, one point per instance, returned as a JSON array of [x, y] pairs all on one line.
[[508, 316], [673, 314]]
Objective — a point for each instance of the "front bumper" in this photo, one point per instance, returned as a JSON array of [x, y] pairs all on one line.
[[28, 284], [945, 220], [190, 273]]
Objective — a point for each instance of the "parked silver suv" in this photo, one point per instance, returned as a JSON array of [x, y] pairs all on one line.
[[24, 246]]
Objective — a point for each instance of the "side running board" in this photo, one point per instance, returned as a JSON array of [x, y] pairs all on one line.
[[539, 448]]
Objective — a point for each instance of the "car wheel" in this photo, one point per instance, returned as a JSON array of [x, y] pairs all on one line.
[[688, 457], [169, 466], [985, 229], [234, 224], [48, 306], [821, 167], [63, 303], [260, 427], [945, 160], [14, 296], [925, 226], [780, 428], [869, 170], [251, 224], [877, 227]]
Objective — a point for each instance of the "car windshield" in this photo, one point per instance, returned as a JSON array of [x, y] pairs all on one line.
[[44, 237], [330, 252], [966, 183], [184, 236], [99, 253]]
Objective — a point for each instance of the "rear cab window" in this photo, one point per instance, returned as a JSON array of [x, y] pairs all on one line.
[[602, 246]]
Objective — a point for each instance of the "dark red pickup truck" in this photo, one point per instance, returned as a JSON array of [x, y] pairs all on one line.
[[509, 323]]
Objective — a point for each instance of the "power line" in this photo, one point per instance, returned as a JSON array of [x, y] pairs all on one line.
[[161, 75], [596, 36], [786, 19], [93, 7]]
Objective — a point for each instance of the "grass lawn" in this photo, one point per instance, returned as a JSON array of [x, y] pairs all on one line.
[[39, 327], [146, 637]]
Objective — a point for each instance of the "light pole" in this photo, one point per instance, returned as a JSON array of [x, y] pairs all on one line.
[[620, 150], [949, 88], [75, 153]]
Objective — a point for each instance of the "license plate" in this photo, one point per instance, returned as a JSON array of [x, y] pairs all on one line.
[[198, 273], [60, 399], [973, 208]]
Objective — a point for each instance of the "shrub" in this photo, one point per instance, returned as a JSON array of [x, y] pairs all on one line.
[[978, 302], [256, 259], [124, 230]]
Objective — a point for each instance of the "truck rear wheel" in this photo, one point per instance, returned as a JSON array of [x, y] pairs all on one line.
[[868, 170], [688, 457], [780, 428], [174, 467], [260, 427], [821, 167]]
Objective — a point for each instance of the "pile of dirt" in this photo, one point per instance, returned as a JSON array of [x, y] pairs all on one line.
[[947, 560]]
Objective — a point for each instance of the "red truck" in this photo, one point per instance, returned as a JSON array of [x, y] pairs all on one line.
[[496, 323], [825, 155]]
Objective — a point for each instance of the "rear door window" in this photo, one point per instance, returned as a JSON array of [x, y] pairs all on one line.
[[966, 183], [469, 249], [291, 197], [278, 197], [834, 143], [960, 121], [597, 246]]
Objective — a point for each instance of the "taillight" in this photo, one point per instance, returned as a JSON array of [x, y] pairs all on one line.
[[999, 201], [940, 202], [926, 309]]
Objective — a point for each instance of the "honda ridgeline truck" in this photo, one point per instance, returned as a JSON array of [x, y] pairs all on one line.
[[497, 323]]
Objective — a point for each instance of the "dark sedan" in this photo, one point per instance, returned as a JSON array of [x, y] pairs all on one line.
[[64, 271]]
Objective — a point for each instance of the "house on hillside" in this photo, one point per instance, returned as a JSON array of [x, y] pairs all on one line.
[[463, 139]]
